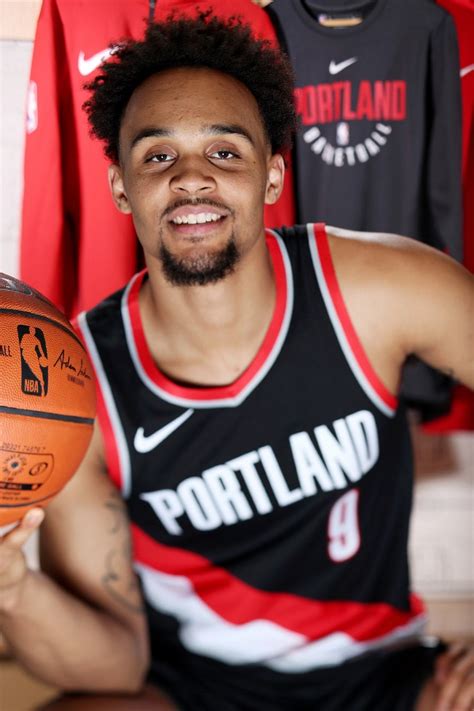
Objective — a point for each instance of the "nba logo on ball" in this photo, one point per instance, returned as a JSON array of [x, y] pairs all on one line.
[[34, 361]]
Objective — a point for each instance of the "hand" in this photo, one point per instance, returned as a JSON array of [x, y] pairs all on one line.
[[13, 568], [454, 673]]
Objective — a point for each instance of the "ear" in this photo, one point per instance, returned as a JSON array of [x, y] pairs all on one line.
[[117, 189], [275, 177]]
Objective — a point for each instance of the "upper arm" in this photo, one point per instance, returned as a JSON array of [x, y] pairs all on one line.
[[406, 298], [85, 543], [435, 311]]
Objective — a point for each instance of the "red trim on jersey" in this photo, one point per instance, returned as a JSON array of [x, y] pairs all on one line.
[[110, 442], [322, 244], [225, 391], [108, 436], [239, 603]]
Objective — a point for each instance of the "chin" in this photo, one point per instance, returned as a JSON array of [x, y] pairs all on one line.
[[201, 268]]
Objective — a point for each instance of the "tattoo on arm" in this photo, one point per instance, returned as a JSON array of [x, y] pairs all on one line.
[[117, 508], [122, 586]]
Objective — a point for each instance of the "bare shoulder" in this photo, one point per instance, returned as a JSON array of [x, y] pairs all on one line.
[[413, 297], [395, 267], [381, 248]]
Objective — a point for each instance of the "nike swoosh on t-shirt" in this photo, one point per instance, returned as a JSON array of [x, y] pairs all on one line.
[[145, 443], [336, 67]]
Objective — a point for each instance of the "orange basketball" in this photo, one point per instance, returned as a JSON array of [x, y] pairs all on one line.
[[47, 400]]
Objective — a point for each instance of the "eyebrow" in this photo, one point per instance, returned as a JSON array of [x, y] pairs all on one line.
[[224, 128], [215, 129]]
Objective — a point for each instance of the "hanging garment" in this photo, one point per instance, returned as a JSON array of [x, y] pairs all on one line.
[[378, 147], [75, 246], [461, 415]]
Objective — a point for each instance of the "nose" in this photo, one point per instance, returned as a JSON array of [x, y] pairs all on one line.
[[193, 177]]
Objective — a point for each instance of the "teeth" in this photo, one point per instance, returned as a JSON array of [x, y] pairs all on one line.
[[200, 218]]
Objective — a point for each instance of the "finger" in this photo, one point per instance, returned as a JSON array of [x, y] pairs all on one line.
[[23, 531], [441, 668], [445, 661], [456, 649], [460, 671], [465, 664], [464, 699]]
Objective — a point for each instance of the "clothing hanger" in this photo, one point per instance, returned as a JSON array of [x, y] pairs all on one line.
[[343, 14], [151, 10]]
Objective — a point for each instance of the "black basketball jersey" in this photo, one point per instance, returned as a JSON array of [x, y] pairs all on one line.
[[269, 516]]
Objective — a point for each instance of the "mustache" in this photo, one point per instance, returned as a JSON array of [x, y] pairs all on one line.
[[183, 202]]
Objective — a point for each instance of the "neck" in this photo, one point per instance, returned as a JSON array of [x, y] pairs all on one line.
[[208, 335]]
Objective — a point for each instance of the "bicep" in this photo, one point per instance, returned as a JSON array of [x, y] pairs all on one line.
[[85, 542], [440, 324]]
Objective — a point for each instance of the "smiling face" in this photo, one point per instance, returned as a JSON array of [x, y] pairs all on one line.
[[195, 171]]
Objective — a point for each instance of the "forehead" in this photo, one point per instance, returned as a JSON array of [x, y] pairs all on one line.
[[182, 99]]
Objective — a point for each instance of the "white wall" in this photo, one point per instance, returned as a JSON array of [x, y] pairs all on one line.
[[15, 58]]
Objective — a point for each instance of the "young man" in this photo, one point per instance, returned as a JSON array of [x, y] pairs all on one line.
[[248, 414]]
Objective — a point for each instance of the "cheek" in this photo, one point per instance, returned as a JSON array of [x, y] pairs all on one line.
[[144, 199], [145, 208], [256, 189], [249, 187]]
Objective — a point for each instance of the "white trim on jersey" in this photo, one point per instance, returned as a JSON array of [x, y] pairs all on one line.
[[339, 329], [203, 631], [340, 647], [251, 385], [121, 442]]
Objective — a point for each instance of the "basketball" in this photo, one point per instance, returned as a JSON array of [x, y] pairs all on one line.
[[47, 400]]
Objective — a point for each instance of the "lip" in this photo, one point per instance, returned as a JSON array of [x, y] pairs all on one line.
[[199, 229]]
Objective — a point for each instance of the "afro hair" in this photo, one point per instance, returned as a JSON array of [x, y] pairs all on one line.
[[202, 41]]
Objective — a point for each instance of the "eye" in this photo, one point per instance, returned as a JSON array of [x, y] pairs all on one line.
[[224, 154], [159, 158]]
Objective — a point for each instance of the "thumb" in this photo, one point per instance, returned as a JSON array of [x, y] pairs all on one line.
[[20, 534]]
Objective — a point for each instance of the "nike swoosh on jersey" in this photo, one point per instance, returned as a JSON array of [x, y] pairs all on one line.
[[145, 443], [466, 70], [87, 66], [336, 67]]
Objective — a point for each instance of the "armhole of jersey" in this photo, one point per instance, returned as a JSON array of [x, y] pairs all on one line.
[[344, 329], [115, 445]]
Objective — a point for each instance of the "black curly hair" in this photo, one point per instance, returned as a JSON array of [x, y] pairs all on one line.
[[202, 41]]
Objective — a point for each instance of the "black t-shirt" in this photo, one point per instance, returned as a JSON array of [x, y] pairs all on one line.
[[379, 143]]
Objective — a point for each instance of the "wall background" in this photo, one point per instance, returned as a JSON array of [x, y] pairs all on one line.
[[442, 538]]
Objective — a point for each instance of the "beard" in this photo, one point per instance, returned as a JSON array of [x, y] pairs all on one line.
[[204, 269]]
